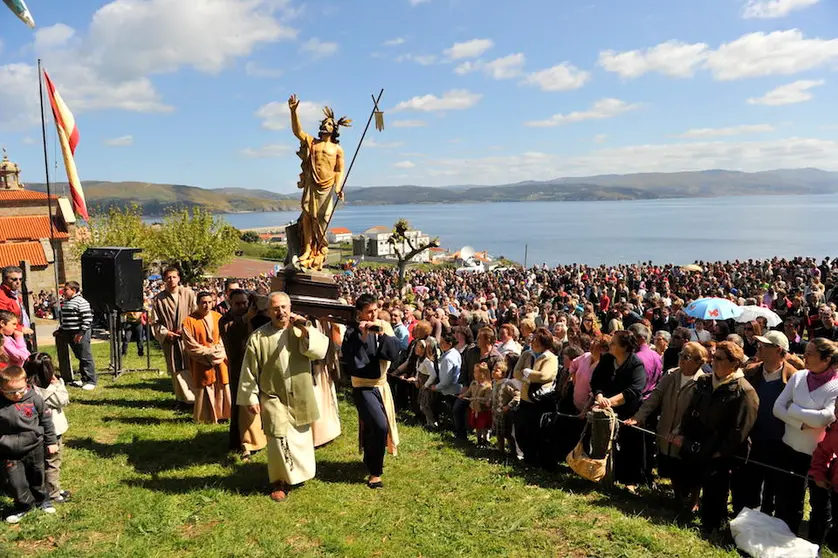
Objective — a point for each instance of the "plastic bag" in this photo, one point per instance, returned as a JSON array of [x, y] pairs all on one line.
[[763, 536]]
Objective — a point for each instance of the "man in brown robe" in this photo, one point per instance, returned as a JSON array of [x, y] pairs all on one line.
[[207, 362], [246, 435], [171, 306]]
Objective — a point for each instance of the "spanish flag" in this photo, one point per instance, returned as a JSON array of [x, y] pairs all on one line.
[[68, 135]]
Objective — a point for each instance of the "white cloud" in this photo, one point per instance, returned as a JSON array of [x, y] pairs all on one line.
[[417, 2], [506, 67], [385, 145], [27, 141], [109, 66], [767, 9], [765, 54], [318, 48], [455, 99], [747, 156], [408, 123], [562, 77], [121, 141], [254, 69], [395, 42], [789, 94], [751, 55], [672, 58], [404, 165], [697, 133], [604, 108], [422, 59], [54, 36], [468, 49], [600, 138], [277, 116], [269, 151]]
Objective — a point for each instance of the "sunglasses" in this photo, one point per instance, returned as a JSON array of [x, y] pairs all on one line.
[[687, 357], [20, 391]]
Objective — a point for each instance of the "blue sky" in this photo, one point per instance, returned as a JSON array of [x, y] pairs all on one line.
[[476, 91]]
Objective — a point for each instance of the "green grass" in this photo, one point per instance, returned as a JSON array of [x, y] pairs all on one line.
[[147, 482]]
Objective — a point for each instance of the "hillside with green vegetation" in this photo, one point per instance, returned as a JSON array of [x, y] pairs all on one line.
[[155, 199]]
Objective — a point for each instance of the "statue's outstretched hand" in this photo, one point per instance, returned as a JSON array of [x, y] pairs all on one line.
[[341, 195], [293, 102]]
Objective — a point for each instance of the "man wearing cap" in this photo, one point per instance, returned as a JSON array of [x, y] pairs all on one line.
[[755, 486]]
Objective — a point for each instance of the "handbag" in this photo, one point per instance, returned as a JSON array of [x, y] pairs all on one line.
[[580, 460]]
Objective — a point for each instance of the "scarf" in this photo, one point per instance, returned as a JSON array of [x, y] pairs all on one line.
[[814, 381]]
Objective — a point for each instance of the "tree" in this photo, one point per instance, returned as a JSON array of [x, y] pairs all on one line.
[[196, 242], [250, 237], [118, 227], [405, 248]]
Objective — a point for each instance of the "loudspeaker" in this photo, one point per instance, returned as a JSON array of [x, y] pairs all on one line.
[[112, 279]]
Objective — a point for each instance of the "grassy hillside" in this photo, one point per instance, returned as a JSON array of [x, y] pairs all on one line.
[[156, 198]]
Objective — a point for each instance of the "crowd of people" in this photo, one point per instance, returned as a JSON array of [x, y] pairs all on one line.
[[742, 413]]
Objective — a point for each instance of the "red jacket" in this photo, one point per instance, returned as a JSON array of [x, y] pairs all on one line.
[[823, 467], [11, 304]]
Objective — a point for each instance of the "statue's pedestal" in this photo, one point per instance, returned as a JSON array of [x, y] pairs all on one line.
[[313, 294]]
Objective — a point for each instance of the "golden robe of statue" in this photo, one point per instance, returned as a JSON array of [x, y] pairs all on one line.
[[322, 174]]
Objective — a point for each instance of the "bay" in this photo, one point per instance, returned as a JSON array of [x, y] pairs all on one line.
[[664, 231]]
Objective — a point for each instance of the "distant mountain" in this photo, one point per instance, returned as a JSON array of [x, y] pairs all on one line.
[[155, 198]]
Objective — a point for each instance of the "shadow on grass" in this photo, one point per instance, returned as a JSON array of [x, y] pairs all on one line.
[[146, 421], [345, 472], [162, 385], [247, 478], [129, 403], [151, 456]]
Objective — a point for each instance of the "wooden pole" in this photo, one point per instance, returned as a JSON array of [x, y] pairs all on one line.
[[526, 250]]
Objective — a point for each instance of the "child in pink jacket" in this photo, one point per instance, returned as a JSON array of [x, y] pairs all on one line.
[[13, 342]]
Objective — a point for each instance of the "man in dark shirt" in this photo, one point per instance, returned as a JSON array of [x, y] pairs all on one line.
[[366, 345]]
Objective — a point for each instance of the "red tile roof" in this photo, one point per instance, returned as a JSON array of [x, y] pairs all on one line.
[[340, 230], [22, 195], [12, 253], [29, 227]]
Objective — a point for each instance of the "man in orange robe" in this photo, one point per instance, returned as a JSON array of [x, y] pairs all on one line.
[[207, 362]]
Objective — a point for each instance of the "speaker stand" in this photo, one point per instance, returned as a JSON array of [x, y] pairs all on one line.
[[115, 337]]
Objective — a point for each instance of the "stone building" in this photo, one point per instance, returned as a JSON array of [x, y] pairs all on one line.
[[25, 233]]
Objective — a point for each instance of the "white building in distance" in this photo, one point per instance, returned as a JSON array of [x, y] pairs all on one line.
[[374, 243]]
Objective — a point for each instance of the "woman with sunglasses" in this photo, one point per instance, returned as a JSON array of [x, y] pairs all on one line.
[[714, 431]]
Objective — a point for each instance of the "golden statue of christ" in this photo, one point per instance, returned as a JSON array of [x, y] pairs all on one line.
[[322, 174]]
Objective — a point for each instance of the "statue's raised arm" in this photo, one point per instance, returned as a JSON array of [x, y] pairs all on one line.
[[293, 103]]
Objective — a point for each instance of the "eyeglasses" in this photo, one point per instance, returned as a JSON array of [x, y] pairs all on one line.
[[20, 391]]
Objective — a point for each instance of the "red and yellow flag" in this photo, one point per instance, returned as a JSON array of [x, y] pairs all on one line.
[[68, 135]]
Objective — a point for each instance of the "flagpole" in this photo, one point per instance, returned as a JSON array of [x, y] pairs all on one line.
[[46, 172]]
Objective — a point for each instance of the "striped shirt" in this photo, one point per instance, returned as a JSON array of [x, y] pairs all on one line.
[[76, 314]]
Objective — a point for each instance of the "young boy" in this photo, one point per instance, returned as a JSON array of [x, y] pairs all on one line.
[[25, 427]]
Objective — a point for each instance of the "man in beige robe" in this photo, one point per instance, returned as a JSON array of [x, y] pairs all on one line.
[[324, 374], [276, 384], [171, 306]]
